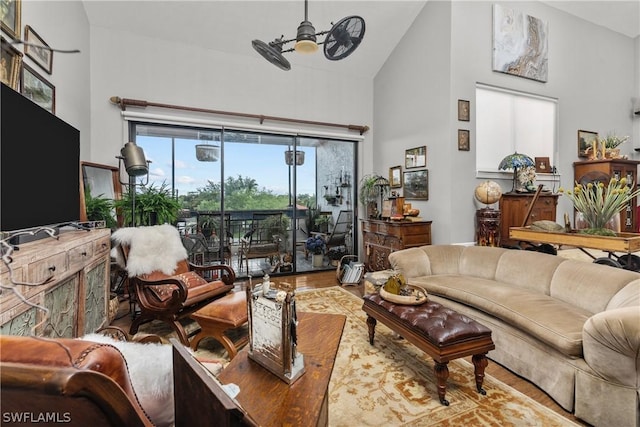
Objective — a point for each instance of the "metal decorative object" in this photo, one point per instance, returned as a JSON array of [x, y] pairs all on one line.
[[272, 329]]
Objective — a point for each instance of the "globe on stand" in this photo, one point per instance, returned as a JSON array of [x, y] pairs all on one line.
[[488, 192], [487, 219]]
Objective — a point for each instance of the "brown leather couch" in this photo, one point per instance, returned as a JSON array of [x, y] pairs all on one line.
[[67, 381]]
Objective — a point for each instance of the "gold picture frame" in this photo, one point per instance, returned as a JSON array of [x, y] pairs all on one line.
[[395, 177], [415, 157], [10, 65], [586, 140], [11, 17]]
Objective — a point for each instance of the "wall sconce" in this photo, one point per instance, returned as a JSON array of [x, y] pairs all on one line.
[[299, 157]]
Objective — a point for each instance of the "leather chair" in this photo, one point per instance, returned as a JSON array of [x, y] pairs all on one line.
[[170, 287], [72, 382]]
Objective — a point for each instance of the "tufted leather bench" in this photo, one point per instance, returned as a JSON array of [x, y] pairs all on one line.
[[441, 332]]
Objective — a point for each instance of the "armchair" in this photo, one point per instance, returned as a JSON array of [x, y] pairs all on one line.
[[79, 382], [166, 286]]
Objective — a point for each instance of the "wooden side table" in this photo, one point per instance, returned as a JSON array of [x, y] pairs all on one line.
[[488, 227], [272, 402]]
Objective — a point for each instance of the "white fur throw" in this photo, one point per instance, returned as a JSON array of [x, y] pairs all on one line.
[[151, 374], [153, 248]]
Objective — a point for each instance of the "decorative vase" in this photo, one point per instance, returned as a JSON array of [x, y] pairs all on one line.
[[317, 260], [582, 224]]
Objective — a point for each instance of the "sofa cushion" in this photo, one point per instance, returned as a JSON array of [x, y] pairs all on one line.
[[551, 321]]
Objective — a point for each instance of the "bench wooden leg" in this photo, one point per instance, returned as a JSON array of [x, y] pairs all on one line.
[[480, 362], [371, 324], [442, 373]]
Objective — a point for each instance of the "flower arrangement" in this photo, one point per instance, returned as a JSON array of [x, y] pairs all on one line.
[[613, 141], [599, 203], [516, 161], [526, 176], [315, 244]]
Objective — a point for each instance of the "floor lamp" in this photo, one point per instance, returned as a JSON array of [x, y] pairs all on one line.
[[136, 165]]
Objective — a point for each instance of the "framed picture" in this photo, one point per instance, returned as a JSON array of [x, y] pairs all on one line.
[[415, 158], [41, 56], [10, 63], [37, 89], [586, 143], [11, 14], [416, 185], [542, 165], [395, 177], [463, 110], [463, 140]]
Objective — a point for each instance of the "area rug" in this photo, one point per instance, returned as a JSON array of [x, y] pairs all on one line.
[[392, 383]]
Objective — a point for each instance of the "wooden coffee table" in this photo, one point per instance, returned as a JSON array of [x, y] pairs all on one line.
[[441, 332], [272, 402]]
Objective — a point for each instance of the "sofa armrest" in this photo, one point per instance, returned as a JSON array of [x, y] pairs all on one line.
[[611, 345]]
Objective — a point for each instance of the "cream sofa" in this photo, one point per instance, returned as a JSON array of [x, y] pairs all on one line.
[[571, 327]]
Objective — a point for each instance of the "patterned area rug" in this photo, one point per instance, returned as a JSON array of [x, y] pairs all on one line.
[[392, 383]]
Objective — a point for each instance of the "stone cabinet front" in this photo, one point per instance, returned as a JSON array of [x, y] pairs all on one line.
[[380, 238], [66, 286]]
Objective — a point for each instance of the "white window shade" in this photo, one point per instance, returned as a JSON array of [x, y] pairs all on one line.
[[509, 121]]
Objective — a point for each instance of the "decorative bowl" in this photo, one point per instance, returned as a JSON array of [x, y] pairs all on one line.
[[416, 296]]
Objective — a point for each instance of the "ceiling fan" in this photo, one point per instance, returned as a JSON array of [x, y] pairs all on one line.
[[340, 41]]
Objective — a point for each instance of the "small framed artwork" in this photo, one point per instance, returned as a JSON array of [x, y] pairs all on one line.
[[415, 158], [542, 165], [37, 89], [463, 140], [587, 143], [416, 185], [10, 64], [386, 209], [42, 56], [11, 13], [463, 110], [395, 177]]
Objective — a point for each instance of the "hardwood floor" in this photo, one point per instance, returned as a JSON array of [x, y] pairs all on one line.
[[328, 279]]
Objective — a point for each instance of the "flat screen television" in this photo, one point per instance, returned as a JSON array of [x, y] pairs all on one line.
[[39, 166]]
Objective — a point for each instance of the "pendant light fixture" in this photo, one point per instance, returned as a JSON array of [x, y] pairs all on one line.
[[340, 41]]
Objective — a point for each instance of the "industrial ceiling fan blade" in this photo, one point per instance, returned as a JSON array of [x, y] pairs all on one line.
[[39, 46], [344, 38], [272, 53]]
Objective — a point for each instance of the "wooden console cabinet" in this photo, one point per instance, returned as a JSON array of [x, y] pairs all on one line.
[[77, 294], [591, 170], [514, 208], [380, 238]]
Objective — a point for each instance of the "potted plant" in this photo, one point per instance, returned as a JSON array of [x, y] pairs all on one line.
[[336, 254], [369, 192], [316, 246], [99, 209], [153, 205]]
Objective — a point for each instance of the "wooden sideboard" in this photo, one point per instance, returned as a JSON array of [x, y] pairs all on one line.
[[594, 170], [76, 296], [380, 238], [514, 208]]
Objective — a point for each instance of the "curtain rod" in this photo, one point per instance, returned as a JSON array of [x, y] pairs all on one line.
[[124, 102]]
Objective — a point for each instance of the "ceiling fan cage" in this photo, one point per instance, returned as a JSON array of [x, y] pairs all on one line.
[[340, 41]]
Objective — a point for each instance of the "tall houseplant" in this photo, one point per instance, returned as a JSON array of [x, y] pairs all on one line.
[[369, 191], [153, 205]]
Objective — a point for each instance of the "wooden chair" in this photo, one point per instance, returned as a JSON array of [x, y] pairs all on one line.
[[80, 383], [166, 286], [260, 241]]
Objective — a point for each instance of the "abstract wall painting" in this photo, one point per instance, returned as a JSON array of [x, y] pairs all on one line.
[[520, 44]]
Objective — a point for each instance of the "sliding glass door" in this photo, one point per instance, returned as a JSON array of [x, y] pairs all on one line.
[[253, 200]]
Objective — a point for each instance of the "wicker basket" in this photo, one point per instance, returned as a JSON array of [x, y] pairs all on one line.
[[114, 305], [418, 296]]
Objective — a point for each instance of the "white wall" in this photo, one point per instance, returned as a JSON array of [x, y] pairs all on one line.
[[591, 72], [70, 72]]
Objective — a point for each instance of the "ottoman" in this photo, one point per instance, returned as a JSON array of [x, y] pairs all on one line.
[[220, 316], [442, 333]]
